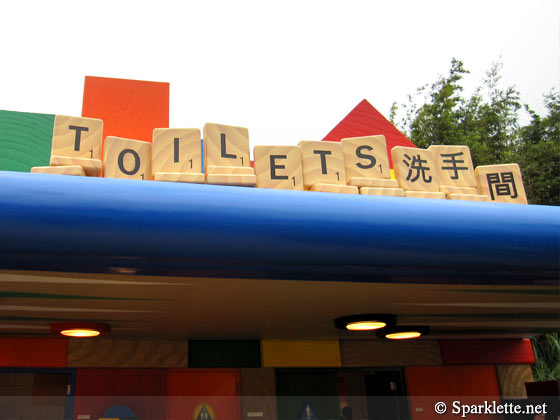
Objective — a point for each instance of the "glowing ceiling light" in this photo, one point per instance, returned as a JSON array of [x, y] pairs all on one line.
[[404, 332], [365, 322], [80, 329]]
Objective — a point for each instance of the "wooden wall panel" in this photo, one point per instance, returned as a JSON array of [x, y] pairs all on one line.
[[126, 353], [356, 353], [300, 353], [33, 352], [258, 390], [498, 351], [512, 380]]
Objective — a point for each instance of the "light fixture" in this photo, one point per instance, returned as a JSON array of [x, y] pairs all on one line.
[[403, 332], [365, 322], [80, 329]]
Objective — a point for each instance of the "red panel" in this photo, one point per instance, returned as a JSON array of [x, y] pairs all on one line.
[[365, 120], [128, 108], [33, 352], [142, 390], [500, 351], [428, 385], [217, 389]]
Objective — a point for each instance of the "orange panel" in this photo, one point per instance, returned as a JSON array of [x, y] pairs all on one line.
[[471, 385], [215, 391], [128, 108], [33, 352]]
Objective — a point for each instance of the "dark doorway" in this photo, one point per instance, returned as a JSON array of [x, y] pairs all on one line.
[[385, 395]]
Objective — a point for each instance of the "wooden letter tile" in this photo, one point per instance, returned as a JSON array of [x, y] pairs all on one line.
[[394, 192], [91, 167], [415, 169], [454, 165], [467, 197], [176, 150], [225, 145], [192, 178], [278, 167], [234, 180], [323, 163], [366, 157], [126, 158], [59, 170], [373, 182], [334, 188], [77, 137], [501, 183]]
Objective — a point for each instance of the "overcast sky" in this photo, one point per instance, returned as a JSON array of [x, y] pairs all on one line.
[[287, 70]]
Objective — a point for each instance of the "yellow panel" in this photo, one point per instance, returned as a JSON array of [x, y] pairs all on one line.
[[512, 380], [126, 158], [467, 197], [91, 167], [229, 170], [425, 194], [59, 170], [323, 162], [454, 165], [366, 157], [236, 180], [414, 169], [373, 182], [193, 178], [278, 167], [333, 188], [176, 150], [226, 145], [501, 183], [300, 353], [77, 137], [393, 192]]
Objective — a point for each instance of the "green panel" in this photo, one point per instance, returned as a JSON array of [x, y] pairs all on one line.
[[296, 388], [224, 354], [25, 140]]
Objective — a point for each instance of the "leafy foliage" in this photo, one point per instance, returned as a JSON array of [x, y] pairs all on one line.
[[488, 122], [546, 348]]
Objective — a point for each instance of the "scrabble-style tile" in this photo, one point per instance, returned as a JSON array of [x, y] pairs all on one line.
[[59, 170], [373, 182], [77, 137], [393, 192], [366, 157], [235, 180], [192, 178], [229, 170], [335, 188], [425, 194], [501, 183], [467, 197], [454, 165], [278, 167], [126, 158], [322, 163], [415, 169], [226, 145], [176, 150], [92, 167], [447, 189]]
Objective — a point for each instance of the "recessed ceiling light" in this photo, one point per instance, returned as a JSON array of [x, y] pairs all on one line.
[[404, 332], [80, 329], [365, 322]]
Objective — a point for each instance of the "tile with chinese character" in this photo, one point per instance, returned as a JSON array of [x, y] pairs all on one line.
[[226, 145], [366, 157], [501, 183], [415, 169], [126, 158], [77, 137], [453, 165], [323, 163], [278, 167], [176, 150]]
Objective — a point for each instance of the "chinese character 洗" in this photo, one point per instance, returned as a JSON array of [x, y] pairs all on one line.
[[501, 184], [417, 164]]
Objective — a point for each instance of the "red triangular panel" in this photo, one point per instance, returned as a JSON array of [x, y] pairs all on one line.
[[365, 120]]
